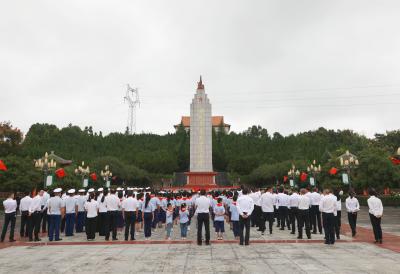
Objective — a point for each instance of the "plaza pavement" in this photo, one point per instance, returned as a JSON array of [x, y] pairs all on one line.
[[280, 252]]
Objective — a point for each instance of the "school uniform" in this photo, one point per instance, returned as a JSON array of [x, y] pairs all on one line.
[[219, 219], [43, 214], [80, 217], [169, 223], [293, 211], [112, 203], [183, 221], [163, 210], [35, 210], [102, 218], [257, 213], [315, 213], [245, 206], [140, 205], [234, 217], [56, 204], [375, 214], [91, 207], [304, 216], [155, 202], [26, 219], [203, 205], [148, 213], [338, 218], [70, 214], [10, 210], [328, 207], [352, 207], [129, 207], [283, 209], [267, 207]]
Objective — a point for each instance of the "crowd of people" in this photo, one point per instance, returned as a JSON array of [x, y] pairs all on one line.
[[103, 211]]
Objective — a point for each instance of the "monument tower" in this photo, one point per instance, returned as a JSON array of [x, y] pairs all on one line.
[[201, 168]]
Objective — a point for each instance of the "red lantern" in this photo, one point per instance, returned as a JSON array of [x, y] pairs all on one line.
[[60, 173], [285, 178], [93, 176], [395, 161], [2, 166], [333, 171], [303, 177]]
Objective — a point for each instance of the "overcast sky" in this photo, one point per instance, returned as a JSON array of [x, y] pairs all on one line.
[[289, 66]]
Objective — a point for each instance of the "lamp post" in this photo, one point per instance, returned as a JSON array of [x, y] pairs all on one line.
[[348, 162], [106, 174], [293, 173], [82, 171], [46, 166], [314, 170]]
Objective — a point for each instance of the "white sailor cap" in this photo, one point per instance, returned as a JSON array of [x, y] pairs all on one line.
[[81, 190], [71, 191], [91, 190], [119, 189], [147, 187], [100, 189], [57, 190]]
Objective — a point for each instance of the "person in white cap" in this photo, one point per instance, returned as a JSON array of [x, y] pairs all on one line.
[[91, 207], [56, 209], [71, 210], [80, 218]]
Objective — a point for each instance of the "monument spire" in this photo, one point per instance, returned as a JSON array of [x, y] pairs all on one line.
[[200, 84]]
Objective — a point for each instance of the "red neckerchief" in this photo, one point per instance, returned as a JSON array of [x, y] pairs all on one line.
[[152, 196], [184, 199], [183, 209], [142, 199], [160, 198], [234, 203], [219, 204]]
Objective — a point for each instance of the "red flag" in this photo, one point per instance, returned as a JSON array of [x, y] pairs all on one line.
[[2, 166], [60, 173], [93, 176], [303, 177], [285, 178], [395, 161], [333, 171]]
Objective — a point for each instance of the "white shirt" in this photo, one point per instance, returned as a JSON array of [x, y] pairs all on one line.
[[245, 204], [339, 204], [304, 202], [328, 204], [203, 204], [294, 200], [267, 202], [130, 204], [25, 203], [10, 205], [256, 197], [36, 204], [102, 206], [315, 198], [91, 208], [70, 204], [112, 202], [45, 198], [375, 206], [55, 205], [352, 205], [81, 200], [282, 200]]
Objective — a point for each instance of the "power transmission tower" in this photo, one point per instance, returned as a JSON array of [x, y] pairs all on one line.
[[132, 97]]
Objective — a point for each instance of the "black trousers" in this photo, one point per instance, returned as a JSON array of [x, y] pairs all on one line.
[[130, 220], [244, 223], [36, 218], [26, 222], [267, 217], [283, 216], [338, 223], [256, 216], [304, 221], [293, 218], [352, 217], [203, 219], [112, 224], [9, 218], [315, 216], [90, 227], [44, 221], [102, 223], [376, 226], [329, 227]]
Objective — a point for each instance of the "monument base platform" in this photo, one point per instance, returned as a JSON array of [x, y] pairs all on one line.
[[195, 188], [200, 178]]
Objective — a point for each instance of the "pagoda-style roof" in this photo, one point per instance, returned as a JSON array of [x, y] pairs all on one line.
[[59, 160], [216, 121]]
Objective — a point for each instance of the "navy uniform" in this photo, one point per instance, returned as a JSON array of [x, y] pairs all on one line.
[[80, 217], [56, 209], [71, 208]]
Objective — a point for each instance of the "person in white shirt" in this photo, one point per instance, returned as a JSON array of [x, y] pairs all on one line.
[[256, 217], [328, 207], [91, 206], [36, 214], [102, 219], [71, 210], [267, 201], [10, 211], [26, 220], [130, 213], [338, 217], [283, 208], [80, 217], [56, 210], [352, 207], [293, 210], [375, 214], [43, 211], [245, 206], [112, 203], [203, 205], [304, 214], [315, 213]]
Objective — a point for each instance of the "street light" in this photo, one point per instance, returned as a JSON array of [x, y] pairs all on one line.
[[348, 162], [45, 166], [314, 170], [106, 174], [82, 171], [293, 173]]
